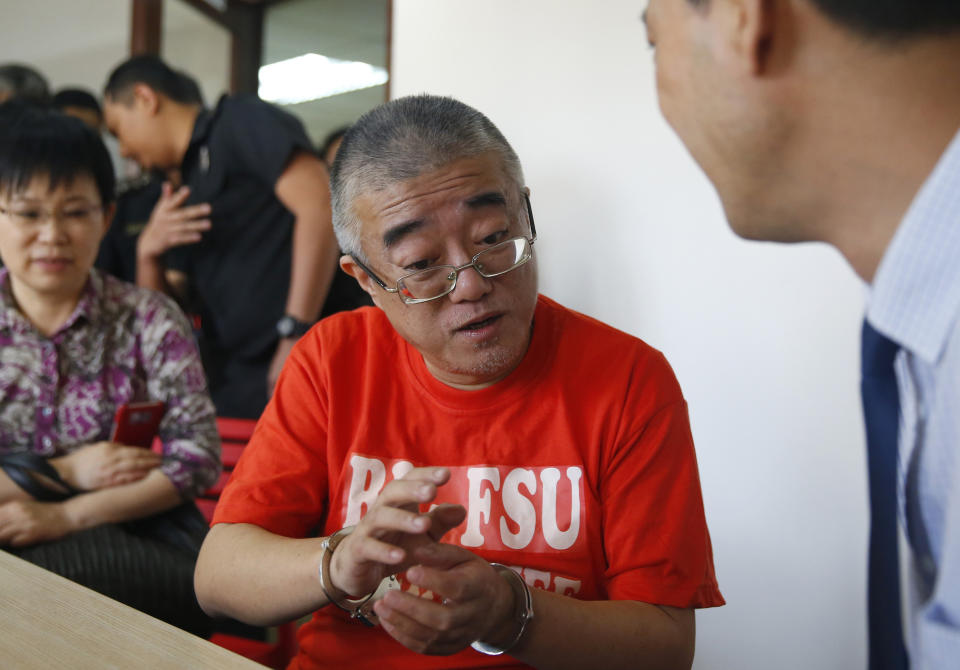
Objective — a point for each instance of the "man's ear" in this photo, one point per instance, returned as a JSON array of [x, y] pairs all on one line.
[[749, 29], [146, 98], [348, 265]]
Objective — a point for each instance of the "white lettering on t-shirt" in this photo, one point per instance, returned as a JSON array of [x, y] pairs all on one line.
[[369, 476], [538, 579], [565, 587], [478, 503], [533, 509], [519, 508], [555, 537], [401, 468]]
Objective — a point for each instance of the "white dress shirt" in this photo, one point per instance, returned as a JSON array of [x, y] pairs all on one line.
[[915, 300]]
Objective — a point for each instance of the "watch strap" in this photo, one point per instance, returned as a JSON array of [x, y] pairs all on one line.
[[291, 326]]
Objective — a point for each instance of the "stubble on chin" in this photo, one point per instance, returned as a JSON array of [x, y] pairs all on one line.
[[492, 360]]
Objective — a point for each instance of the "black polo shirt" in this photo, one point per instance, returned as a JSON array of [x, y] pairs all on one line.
[[240, 270], [118, 249]]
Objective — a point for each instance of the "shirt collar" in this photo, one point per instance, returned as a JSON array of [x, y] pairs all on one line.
[[204, 122], [915, 297], [88, 307]]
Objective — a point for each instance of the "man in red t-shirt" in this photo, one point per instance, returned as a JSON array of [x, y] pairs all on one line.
[[499, 473]]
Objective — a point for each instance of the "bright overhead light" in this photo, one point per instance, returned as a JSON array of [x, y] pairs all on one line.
[[312, 76]]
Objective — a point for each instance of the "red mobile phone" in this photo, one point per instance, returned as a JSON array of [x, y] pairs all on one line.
[[135, 424]]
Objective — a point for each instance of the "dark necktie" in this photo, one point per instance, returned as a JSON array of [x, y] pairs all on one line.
[[881, 409]]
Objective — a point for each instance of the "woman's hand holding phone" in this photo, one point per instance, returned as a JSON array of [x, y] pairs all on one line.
[[102, 464]]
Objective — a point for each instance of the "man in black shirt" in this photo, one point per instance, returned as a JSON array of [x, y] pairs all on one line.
[[250, 227], [118, 249]]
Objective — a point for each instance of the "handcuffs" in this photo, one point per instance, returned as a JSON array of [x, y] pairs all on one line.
[[362, 608], [359, 608], [522, 611]]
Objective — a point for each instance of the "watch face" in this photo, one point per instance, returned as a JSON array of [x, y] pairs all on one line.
[[285, 326], [288, 326]]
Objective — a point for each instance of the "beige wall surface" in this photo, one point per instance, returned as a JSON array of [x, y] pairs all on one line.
[[73, 43]]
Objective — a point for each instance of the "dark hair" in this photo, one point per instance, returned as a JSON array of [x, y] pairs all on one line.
[[894, 19], [75, 97], [890, 19], [156, 74], [191, 89], [24, 83], [331, 139], [37, 142]]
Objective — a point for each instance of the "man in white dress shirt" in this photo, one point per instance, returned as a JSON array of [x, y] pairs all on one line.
[[837, 121]]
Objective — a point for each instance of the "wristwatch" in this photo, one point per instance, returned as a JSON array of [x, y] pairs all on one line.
[[289, 326]]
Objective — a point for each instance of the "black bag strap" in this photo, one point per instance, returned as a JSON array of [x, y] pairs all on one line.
[[24, 467]]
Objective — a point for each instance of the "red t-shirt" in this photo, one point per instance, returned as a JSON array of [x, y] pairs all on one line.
[[578, 468]]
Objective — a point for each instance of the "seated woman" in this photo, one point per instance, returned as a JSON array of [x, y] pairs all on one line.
[[75, 344]]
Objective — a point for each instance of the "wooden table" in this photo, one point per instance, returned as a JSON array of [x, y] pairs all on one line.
[[47, 621]]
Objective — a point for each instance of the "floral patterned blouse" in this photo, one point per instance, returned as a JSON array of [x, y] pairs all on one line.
[[121, 344]]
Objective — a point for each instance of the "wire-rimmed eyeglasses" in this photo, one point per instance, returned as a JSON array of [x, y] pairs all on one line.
[[439, 280]]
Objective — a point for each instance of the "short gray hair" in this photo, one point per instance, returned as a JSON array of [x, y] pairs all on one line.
[[401, 140]]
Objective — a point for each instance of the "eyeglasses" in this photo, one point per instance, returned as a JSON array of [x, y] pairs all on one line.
[[439, 280], [29, 217]]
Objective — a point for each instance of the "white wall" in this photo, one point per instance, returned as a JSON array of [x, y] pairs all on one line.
[[763, 338], [73, 43], [193, 42]]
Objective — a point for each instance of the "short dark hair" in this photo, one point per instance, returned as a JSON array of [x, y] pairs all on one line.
[[191, 89], [39, 142], [894, 19], [24, 83], [75, 97], [890, 19], [152, 71]]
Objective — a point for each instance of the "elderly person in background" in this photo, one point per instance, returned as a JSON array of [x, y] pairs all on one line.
[[75, 344]]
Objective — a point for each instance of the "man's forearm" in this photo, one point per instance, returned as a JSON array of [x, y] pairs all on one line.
[[303, 188], [252, 575], [570, 633], [314, 262], [150, 274]]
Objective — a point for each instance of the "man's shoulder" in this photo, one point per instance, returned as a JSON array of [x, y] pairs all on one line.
[[239, 102], [352, 332], [349, 321], [585, 345], [242, 108], [578, 325]]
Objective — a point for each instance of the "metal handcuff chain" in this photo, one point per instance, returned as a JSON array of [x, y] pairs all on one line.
[[358, 608], [362, 608]]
